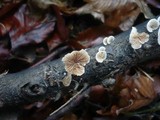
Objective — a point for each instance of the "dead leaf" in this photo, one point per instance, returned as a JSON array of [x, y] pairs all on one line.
[[61, 27], [135, 92], [134, 105], [101, 7], [53, 41], [141, 91], [157, 84], [91, 36], [123, 17], [8, 6], [22, 33], [69, 116]]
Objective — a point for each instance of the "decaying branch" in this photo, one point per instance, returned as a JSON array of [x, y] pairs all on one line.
[[45, 80]]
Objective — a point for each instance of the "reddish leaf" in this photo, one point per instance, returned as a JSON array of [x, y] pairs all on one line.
[[61, 27], [4, 53], [157, 84], [75, 44], [24, 29], [91, 36], [54, 41], [98, 94], [9, 6]]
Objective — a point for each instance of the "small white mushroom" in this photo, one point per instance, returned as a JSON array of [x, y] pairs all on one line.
[[102, 48], [152, 25], [158, 36], [110, 39], [133, 33], [75, 62], [137, 39], [101, 56], [67, 80], [105, 41]]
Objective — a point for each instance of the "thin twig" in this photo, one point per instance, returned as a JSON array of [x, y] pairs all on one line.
[[71, 103], [50, 56]]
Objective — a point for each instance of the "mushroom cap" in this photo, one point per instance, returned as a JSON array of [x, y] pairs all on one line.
[[75, 69], [152, 24], [137, 39], [101, 56], [75, 62], [110, 39], [105, 41], [102, 48], [132, 34]]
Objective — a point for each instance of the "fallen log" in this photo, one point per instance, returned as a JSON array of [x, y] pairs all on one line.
[[45, 80]]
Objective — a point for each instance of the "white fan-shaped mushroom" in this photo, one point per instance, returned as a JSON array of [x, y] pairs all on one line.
[[110, 39], [152, 25], [105, 41], [75, 62], [137, 39], [101, 56]]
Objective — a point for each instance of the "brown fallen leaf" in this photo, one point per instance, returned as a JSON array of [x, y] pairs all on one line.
[[135, 92], [69, 116], [92, 36], [101, 7], [123, 17], [141, 90]]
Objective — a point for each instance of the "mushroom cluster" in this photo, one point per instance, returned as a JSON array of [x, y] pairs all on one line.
[[101, 55], [108, 40], [137, 39], [75, 62]]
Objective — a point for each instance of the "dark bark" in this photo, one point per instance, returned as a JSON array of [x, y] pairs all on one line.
[[44, 80], [9, 114]]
